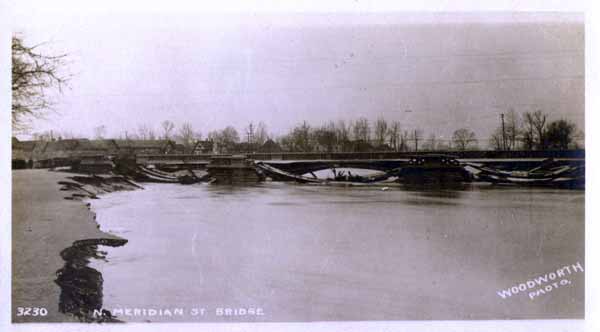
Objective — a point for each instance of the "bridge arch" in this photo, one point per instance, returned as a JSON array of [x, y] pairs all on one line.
[[305, 167]]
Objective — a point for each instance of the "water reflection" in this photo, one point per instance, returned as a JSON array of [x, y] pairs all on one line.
[[82, 286], [228, 189], [438, 192]]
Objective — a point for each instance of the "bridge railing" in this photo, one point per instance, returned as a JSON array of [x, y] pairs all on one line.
[[578, 154], [178, 157], [575, 154]]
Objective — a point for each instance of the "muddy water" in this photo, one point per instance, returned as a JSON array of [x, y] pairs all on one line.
[[284, 252]]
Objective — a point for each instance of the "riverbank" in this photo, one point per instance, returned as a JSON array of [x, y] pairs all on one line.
[[49, 221]]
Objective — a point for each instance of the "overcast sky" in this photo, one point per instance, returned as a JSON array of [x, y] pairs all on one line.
[[450, 71]]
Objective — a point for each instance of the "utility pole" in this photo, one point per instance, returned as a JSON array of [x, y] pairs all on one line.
[[503, 132], [416, 141], [248, 142], [250, 136]]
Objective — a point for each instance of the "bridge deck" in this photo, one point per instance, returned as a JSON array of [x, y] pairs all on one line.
[[470, 160]]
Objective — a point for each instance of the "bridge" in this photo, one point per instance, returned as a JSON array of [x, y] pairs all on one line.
[[301, 163], [176, 161], [228, 167]]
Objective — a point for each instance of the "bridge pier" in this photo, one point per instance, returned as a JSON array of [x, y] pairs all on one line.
[[233, 170]]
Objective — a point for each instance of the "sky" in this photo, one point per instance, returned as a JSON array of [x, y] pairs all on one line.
[[435, 72]]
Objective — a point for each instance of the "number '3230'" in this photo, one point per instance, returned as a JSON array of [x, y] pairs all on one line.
[[31, 311]]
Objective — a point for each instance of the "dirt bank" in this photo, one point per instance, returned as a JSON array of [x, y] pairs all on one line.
[[53, 232]]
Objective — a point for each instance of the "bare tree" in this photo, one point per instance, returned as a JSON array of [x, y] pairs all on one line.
[[256, 134], [250, 133], [535, 126], [99, 132], [144, 132], [528, 139], [507, 135], [230, 135], [213, 136], [381, 131], [497, 139], [326, 137], [463, 138], [539, 124], [416, 136], [394, 135], [45, 136], [361, 130], [431, 143], [52, 135], [404, 138], [167, 127], [187, 135], [130, 135], [152, 134], [285, 142], [225, 139], [512, 129], [33, 74], [67, 135], [342, 135], [300, 137], [443, 145], [260, 134]]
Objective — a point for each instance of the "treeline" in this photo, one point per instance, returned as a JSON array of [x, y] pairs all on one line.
[[527, 131], [534, 131], [168, 130], [357, 136]]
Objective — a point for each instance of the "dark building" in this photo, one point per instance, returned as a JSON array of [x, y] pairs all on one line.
[[22, 153], [270, 146], [64, 152], [203, 147], [147, 146]]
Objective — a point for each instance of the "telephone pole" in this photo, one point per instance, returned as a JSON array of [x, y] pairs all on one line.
[[416, 141], [503, 132], [250, 136]]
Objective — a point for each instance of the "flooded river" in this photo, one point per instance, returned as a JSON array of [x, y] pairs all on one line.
[[286, 252]]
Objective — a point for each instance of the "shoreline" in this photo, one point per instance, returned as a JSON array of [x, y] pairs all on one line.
[[54, 234]]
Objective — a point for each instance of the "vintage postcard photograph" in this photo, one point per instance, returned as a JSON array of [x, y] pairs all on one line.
[[176, 167]]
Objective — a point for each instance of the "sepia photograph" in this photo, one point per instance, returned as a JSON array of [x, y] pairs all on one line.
[[296, 167]]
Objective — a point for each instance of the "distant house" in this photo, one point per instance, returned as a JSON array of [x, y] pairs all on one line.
[[62, 152], [98, 147], [245, 147], [361, 146], [270, 146], [22, 153], [66, 148], [146, 146], [242, 147], [203, 147], [179, 148], [56, 153]]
